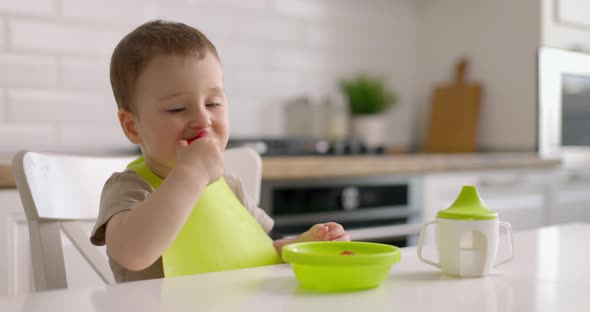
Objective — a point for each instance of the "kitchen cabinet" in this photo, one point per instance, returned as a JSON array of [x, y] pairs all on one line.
[[16, 271], [575, 13], [566, 24], [521, 197], [15, 265], [572, 197]]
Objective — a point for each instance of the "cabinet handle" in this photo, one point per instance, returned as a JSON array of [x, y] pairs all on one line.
[[350, 198], [578, 177], [515, 181]]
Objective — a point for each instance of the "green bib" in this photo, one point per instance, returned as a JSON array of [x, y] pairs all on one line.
[[220, 234]]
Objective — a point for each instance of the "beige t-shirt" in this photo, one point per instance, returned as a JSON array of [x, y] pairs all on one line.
[[125, 191]]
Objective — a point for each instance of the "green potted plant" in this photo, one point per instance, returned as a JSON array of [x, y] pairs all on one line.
[[368, 99]]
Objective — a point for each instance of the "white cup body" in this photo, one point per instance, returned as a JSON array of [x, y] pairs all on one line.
[[467, 248]]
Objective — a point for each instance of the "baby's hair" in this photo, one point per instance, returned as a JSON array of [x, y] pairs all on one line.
[[139, 47]]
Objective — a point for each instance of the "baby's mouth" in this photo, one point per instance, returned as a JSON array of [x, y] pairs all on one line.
[[201, 134]]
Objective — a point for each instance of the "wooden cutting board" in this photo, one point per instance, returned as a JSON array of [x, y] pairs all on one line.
[[454, 115]]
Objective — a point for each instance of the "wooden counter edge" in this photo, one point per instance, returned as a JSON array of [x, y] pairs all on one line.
[[282, 168], [6, 176]]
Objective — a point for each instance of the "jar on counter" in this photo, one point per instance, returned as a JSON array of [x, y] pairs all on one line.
[[336, 113], [306, 117]]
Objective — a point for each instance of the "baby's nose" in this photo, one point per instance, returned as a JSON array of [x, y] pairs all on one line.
[[200, 121]]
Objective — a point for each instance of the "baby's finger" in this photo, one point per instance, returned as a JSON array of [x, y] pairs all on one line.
[[319, 231], [333, 226], [336, 230], [335, 233], [343, 238], [181, 144]]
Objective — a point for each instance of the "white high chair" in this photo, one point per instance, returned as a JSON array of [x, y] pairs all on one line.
[[60, 192]]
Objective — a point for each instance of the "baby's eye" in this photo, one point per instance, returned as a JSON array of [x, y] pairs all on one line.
[[213, 104], [176, 110]]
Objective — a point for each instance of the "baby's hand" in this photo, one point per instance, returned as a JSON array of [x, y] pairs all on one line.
[[202, 156], [330, 231]]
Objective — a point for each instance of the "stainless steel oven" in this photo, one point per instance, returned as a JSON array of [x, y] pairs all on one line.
[[381, 209]]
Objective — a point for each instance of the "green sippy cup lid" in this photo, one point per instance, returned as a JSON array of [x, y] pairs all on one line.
[[468, 206]]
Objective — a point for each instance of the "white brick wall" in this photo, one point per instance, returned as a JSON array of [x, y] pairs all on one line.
[[87, 73], [29, 135], [272, 30], [2, 33], [57, 107], [62, 37], [217, 23], [3, 107], [21, 69], [54, 56], [313, 9], [28, 7], [240, 55], [109, 11]]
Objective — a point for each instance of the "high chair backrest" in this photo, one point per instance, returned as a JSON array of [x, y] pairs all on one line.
[[246, 164], [59, 192]]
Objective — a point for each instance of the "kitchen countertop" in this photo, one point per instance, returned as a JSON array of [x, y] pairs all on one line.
[[548, 273], [6, 177], [279, 168], [304, 167]]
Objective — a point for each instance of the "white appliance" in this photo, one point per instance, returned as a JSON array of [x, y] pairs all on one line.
[[564, 105]]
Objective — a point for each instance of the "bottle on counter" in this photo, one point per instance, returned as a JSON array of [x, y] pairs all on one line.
[[337, 117]]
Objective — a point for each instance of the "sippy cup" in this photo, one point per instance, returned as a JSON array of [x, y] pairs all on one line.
[[467, 237]]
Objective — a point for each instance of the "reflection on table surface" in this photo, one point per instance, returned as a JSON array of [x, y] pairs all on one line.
[[547, 274]]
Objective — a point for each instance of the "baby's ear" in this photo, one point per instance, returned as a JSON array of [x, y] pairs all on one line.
[[127, 121]]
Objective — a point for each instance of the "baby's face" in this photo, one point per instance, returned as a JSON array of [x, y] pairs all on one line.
[[177, 97]]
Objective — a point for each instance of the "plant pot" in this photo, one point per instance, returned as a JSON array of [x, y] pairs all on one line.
[[370, 129]]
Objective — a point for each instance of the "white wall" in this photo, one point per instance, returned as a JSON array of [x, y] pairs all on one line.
[[500, 38], [54, 55]]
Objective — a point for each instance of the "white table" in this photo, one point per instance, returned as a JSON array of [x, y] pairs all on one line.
[[550, 273]]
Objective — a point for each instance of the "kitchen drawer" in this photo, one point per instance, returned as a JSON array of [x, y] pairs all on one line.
[[572, 199]]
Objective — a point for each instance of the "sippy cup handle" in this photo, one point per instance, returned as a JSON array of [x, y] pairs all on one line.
[[424, 226], [511, 243]]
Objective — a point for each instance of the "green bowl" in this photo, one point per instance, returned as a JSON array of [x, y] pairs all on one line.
[[323, 266]]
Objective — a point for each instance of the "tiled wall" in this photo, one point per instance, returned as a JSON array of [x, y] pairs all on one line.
[[54, 55]]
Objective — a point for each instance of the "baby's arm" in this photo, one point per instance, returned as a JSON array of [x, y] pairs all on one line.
[[137, 238], [320, 232]]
